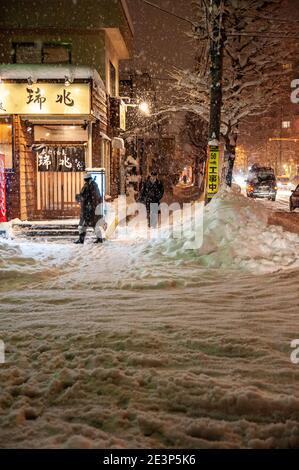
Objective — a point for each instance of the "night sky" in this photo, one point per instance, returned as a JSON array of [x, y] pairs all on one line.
[[161, 40]]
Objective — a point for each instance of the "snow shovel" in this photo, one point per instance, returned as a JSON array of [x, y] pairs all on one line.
[[111, 228]]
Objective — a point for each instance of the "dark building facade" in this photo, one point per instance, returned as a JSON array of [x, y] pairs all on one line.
[[59, 73]]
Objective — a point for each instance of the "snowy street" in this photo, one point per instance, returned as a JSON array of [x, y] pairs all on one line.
[[143, 344], [282, 202], [279, 211], [149, 233]]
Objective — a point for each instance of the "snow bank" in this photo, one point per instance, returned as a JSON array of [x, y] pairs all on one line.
[[26, 263], [236, 235], [5, 230]]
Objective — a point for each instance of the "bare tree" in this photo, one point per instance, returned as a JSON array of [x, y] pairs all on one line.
[[256, 64]]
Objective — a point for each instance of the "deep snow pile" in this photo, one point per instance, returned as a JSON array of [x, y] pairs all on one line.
[[14, 266], [236, 235], [26, 263]]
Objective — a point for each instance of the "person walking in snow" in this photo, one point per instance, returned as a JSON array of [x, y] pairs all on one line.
[[151, 193], [91, 213]]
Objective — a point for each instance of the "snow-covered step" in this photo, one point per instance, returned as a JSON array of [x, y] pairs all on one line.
[[50, 233], [47, 230]]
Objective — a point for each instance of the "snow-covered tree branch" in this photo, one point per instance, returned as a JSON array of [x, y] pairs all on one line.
[[255, 68]]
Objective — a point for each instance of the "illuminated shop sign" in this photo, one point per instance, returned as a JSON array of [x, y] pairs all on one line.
[[61, 159], [44, 98]]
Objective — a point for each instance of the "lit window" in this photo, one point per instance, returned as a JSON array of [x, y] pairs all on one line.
[[287, 66], [286, 124], [60, 134], [6, 143]]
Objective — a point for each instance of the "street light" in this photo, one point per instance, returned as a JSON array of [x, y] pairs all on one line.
[[144, 108]]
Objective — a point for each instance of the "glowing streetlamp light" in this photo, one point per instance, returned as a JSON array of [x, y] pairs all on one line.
[[144, 107]]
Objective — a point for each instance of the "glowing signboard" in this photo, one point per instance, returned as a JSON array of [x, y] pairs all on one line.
[[213, 171], [2, 189], [44, 98]]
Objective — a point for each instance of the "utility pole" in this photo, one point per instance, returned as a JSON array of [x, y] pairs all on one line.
[[216, 73], [279, 166], [216, 70]]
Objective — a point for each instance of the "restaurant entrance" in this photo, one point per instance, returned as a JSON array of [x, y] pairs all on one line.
[[56, 194], [61, 153]]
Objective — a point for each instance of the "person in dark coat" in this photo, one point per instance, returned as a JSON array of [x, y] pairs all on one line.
[[151, 193], [89, 198]]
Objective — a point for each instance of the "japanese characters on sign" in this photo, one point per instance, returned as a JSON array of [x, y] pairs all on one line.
[[35, 97], [2, 189], [45, 98], [213, 171], [59, 158]]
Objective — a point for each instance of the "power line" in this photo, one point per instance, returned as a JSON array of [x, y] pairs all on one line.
[[168, 12], [231, 34], [274, 20]]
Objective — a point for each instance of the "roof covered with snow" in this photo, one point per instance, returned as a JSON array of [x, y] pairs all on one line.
[[49, 72]]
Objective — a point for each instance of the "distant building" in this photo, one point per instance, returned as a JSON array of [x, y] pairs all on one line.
[[60, 111]]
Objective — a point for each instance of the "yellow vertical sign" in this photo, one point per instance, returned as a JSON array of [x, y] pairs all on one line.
[[213, 171]]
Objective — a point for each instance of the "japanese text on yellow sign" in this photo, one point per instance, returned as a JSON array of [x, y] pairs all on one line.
[[213, 170], [44, 98]]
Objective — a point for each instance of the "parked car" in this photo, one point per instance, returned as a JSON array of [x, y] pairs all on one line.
[[294, 199], [261, 183]]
